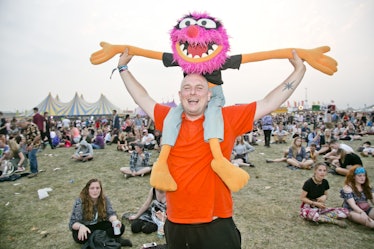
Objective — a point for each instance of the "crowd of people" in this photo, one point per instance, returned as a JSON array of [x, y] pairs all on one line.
[[326, 151], [316, 143]]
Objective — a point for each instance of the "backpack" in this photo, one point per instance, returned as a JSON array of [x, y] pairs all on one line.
[[100, 240]]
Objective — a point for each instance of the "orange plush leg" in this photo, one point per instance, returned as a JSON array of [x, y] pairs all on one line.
[[234, 177], [160, 176]]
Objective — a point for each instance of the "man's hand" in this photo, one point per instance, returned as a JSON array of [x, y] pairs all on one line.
[[317, 59], [296, 61], [124, 58]]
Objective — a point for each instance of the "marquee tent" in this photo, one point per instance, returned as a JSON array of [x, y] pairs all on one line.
[[76, 107]]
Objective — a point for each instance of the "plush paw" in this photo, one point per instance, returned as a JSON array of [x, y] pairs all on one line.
[[161, 177], [234, 177], [317, 59], [107, 52]]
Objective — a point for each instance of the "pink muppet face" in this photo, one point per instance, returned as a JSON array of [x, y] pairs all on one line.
[[94, 190], [199, 43]]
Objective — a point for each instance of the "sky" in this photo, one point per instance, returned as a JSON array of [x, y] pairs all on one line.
[[45, 48]]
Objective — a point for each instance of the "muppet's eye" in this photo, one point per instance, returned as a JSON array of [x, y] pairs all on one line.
[[207, 23], [186, 22]]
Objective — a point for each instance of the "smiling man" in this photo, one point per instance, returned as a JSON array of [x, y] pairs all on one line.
[[200, 210], [194, 96]]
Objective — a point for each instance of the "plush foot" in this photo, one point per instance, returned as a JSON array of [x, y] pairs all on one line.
[[161, 177], [234, 177]]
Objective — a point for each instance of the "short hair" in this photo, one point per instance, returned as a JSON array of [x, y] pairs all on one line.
[[333, 140], [36, 109]]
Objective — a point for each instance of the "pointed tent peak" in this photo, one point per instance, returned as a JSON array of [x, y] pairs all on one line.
[[102, 96], [76, 96]]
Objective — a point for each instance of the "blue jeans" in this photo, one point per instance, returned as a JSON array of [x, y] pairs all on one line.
[[33, 160]]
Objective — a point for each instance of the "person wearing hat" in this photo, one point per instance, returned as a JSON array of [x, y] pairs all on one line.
[[84, 152], [139, 162]]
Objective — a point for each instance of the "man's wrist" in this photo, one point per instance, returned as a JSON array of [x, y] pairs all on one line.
[[122, 68]]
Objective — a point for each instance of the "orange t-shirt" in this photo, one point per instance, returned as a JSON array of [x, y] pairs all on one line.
[[201, 194]]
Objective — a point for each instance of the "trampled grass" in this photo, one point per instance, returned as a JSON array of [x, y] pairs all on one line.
[[266, 209]]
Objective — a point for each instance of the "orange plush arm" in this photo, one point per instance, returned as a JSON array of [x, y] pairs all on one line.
[[108, 51], [315, 57]]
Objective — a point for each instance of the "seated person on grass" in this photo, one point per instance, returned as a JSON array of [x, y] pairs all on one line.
[[151, 214], [343, 162], [139, 162], [297, 156], [314, 196], [280, 135], [84, 152], [366, 149]]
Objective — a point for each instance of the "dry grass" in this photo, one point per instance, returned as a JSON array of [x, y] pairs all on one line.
[[266, 210]]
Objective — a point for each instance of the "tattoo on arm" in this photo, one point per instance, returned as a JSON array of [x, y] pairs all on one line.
[[288, 86]]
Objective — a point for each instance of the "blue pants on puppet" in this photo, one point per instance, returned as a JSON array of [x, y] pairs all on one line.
[[213, 123]]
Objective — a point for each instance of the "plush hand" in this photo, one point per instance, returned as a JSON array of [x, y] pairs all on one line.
[[106, 53], [318, 60]]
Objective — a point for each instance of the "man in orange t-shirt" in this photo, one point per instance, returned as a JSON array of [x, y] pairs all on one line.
[[200, 210]]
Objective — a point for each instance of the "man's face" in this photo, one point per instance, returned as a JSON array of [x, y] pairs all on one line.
[[194, 95]]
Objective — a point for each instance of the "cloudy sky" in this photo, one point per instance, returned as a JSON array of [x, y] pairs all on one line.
[[45, 48]]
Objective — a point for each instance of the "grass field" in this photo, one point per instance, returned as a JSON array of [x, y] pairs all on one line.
[[266, 209]]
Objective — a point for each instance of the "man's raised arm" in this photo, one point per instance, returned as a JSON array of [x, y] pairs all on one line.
[[136, 90], [282, 92]]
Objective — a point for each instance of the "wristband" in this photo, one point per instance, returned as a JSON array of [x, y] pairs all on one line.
[[122, 68]]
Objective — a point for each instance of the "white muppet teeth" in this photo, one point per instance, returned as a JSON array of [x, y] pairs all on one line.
[[182, 48]]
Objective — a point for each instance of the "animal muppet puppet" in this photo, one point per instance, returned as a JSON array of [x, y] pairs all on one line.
[[200, 45]]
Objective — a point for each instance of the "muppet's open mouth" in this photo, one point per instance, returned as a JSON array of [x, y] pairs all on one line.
[[197, 51]]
